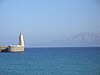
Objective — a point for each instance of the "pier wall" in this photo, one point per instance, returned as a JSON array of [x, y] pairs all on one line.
[[3, 48], [15, 49], [11, 49]]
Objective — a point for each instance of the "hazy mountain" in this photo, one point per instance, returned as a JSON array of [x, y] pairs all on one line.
[[81, 39], [84, 37]]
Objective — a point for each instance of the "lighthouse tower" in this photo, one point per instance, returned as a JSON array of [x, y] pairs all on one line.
[[21, 39], [17, 48]]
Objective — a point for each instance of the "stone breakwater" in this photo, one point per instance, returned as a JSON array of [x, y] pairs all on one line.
[[3, 48], [11, 48]]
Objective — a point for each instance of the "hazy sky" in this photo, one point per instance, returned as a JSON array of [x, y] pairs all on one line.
[[46, 20]]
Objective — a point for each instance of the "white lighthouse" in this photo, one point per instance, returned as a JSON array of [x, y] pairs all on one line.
[[17, 48], [21, 39]]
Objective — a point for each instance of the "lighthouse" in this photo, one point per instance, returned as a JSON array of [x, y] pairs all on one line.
[[14, 48], [21, 39]]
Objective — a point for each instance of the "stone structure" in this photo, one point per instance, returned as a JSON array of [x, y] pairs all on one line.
[[3, 48], [14, 48]]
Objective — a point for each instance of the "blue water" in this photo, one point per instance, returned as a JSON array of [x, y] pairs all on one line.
[[51, 61]]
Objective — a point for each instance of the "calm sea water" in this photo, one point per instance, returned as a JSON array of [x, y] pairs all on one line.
[[51, 61]]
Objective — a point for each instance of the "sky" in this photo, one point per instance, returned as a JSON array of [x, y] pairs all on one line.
[[43, 21]]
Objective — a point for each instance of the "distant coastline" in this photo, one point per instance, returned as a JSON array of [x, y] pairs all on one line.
[[67, 47]]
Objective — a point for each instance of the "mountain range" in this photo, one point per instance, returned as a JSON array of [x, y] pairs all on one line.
[[83, 39]]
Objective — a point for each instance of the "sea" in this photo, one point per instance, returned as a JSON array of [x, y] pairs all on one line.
[[52, 61]]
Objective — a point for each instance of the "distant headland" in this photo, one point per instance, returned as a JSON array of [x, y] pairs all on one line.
[[14, 48]]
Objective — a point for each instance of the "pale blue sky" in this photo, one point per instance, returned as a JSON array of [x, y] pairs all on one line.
[[46, 20]]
